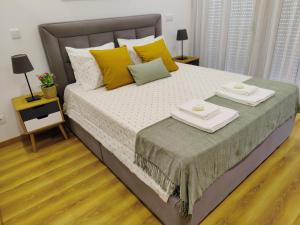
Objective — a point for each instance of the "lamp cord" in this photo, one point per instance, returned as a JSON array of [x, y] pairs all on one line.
[[29, 85]]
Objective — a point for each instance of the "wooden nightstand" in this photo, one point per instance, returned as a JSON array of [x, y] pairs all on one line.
[[189, 60], [39, 115]]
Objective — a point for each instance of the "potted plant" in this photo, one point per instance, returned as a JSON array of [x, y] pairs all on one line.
[[48, 86]]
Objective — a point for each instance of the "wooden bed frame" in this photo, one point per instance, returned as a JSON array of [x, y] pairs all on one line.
[[89, 33]]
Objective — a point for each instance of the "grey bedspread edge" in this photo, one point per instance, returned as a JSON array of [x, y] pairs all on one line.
[[178, 156]]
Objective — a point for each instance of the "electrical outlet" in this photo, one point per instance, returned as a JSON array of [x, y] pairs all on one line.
[[2, 118], [15, 33], [169, 18]]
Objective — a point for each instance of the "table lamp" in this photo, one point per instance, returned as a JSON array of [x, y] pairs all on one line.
[[182, 36], [21, 64]]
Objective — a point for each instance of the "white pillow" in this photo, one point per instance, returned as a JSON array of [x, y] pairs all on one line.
[[130, 43], [86, 69]]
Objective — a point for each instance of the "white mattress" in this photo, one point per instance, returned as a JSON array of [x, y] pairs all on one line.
[[115, 117]]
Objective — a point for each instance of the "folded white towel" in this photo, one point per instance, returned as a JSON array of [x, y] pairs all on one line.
[[239, 88], [220, 120], [256, 98], [200, 108]]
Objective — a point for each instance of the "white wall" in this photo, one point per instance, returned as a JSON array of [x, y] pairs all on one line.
[[27, 15]]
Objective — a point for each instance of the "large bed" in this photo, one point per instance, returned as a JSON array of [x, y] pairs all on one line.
[[108, 122]]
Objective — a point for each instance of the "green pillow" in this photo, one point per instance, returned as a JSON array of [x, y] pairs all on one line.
[[146, 72]]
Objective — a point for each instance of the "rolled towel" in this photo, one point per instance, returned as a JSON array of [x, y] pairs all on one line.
[[224, 117], [239, 88], [255, 99], [200, 108]]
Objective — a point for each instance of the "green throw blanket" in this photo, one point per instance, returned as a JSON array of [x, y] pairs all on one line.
[[179, 156]]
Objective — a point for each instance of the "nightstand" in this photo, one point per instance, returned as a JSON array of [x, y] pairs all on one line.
[[189, 60], [39, 115]]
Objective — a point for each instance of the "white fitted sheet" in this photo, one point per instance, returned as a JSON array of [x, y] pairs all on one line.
[[115, 117]]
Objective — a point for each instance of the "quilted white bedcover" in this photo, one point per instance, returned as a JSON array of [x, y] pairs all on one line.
[[115, 117]]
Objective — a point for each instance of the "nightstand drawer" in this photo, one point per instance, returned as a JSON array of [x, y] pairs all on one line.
[[39, 111], [44, 121]]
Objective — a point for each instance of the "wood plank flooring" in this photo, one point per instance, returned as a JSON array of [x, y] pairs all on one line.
[[64, 184]]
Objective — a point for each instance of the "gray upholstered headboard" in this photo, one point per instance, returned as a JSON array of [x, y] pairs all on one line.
[[89, 33]]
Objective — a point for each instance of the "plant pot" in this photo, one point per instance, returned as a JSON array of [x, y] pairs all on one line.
[[49, 92]]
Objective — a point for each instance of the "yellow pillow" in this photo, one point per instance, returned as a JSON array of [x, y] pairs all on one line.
[[155, 50], [113, 64]]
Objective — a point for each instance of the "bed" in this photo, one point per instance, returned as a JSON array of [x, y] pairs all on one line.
[[94, 116]]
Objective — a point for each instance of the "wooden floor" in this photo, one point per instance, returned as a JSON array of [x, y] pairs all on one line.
[[65, 184]]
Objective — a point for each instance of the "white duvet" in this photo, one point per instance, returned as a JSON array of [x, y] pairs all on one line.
[[115, 117]]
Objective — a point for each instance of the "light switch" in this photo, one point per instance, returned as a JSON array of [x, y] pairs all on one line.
[[15, 33], [169, 18]]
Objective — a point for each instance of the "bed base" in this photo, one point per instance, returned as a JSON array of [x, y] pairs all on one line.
[[212, 197], [56, 36]]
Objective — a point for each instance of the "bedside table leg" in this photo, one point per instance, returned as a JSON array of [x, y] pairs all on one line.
[[62, 130], [32, 139], [1, 223]]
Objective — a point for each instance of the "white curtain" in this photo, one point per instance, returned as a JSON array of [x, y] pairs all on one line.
[[255, 37]]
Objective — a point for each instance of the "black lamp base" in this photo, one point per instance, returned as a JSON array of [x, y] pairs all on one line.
[[33, 98], [183, 57]]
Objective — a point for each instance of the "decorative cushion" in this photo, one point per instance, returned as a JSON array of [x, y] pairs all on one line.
[[86, 69], [113, 64], [147, 72], [155, 50], [130, 43]]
